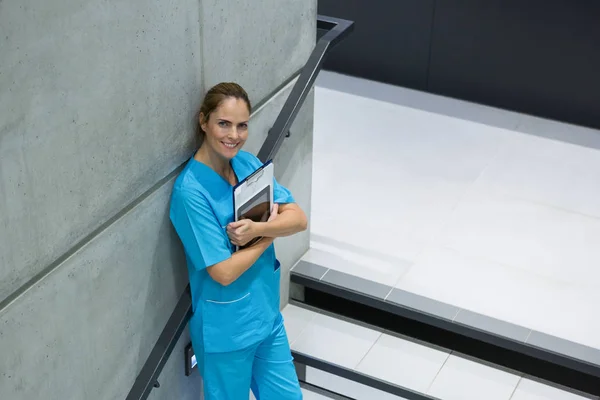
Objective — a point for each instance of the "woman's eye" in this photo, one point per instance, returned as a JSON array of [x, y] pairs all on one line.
[[222, 124], [244, 126]]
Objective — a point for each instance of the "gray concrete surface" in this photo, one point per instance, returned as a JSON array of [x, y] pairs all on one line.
[[96, 102], [84, 331], [256, 43], [96, 107]]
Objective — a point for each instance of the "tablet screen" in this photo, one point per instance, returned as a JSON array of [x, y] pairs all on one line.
[[258, 209]]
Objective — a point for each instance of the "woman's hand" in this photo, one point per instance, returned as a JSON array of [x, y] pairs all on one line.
[[243, 231]]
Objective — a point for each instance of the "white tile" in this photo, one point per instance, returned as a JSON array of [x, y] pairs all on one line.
[[415, 141], [370, 268], [461, 379], [393, 194], [346, 387], [403, 363], [401, 203], [552, 243], [394, 215], [531, 390], [335, 341], [308, 395], [296, 319], [507, 293], [365, 234], [549, 172]]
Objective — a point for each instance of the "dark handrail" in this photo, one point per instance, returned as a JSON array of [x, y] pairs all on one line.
[[148, 376], [338, 29]]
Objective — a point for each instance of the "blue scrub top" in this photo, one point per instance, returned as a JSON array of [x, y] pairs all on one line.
[[226, 318]]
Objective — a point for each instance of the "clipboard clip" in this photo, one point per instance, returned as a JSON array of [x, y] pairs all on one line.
[[255, 177]]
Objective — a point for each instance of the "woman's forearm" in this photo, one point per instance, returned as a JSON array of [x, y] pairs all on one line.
[[288, 222], [228, 271]]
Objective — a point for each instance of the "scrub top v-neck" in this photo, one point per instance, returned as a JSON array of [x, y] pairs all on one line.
[[226, 318]]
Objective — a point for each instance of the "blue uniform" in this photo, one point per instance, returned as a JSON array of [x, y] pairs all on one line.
[[237, 330]]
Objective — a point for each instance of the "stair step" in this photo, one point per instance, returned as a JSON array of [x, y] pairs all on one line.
[[364, 362], [570, 363]]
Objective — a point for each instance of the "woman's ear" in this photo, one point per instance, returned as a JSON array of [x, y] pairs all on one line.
[[202, 120]]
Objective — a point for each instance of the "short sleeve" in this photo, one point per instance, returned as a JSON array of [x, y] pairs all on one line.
[[281, 194], [204, 240]]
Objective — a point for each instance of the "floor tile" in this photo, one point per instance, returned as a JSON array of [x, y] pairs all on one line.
[[548, 172], [346, 387], [462, 379], [364, 266], [336, 341], [415, 196], [364, 234], [462, 148], [549, 242], [296, 319], [386, 215], [308, 395], [506, 293], [328, 243], [532, 390], [403, 363], [424, 304]]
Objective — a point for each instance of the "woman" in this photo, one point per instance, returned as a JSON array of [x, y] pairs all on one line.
[[237, 330]]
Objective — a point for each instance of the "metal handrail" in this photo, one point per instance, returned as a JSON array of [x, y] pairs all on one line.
[[338, 29]]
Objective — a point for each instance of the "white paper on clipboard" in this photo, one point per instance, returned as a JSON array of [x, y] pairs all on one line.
[[253, 197]]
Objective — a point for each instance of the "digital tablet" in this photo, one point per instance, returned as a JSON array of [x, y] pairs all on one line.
[[253, 198]]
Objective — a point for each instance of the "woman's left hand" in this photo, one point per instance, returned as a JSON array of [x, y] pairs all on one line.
[[243, 231]]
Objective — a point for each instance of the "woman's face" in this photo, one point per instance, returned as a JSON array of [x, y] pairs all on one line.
[[226, 130]]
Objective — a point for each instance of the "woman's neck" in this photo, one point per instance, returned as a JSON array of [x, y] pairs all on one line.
[[219, 164]]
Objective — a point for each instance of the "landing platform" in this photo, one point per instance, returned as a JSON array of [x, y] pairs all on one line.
[[492, 215]]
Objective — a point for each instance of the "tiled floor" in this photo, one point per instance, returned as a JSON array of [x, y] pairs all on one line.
[[468, 210], [403, 362]]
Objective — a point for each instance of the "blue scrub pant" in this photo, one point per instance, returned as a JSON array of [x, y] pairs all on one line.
[[267, 368]]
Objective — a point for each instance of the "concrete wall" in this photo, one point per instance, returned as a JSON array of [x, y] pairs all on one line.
[[96, 107]]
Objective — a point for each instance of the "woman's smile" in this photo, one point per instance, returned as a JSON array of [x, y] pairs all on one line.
[[230, 145]]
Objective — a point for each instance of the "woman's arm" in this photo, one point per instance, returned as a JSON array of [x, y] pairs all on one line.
[[226, 272], [291, 220]]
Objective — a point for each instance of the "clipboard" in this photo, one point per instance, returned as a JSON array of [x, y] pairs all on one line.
[[253, 198]]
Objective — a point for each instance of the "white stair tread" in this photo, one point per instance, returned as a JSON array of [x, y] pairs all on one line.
[[462, 379], [308, 395], [404, 362]]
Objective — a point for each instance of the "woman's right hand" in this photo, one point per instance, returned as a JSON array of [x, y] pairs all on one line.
[[274, 212], [272, 217]]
